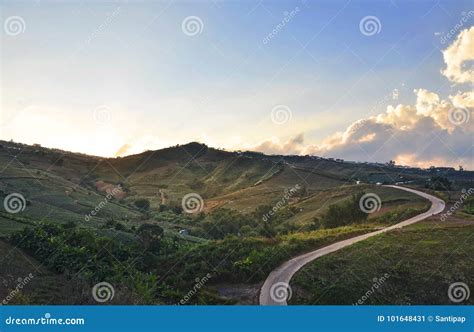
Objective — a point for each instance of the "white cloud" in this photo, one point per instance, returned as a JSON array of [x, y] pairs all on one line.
[[294, 145], [457, 57], [423, 134]]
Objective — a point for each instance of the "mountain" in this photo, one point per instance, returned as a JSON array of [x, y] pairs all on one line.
[[74, 183], [85, 219]]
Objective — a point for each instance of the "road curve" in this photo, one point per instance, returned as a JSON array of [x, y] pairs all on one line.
[[281, 276]]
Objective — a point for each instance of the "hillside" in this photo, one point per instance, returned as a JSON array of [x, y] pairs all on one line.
[[86, 219]]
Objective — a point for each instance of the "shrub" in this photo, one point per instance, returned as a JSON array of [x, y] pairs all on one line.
[[344, 213], [143, 204]]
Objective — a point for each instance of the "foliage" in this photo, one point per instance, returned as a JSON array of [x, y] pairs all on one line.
[[429, 257], [143, 204], [344, 213], [439, 183], [151, 236]]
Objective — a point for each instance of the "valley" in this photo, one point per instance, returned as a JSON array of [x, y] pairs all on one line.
[[152, 224]]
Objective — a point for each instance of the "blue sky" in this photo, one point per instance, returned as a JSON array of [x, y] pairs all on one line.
[[159, 86]]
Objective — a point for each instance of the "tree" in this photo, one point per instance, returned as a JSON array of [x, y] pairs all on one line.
[[151, 236], [344, 213], [440, 183], [143, 204]]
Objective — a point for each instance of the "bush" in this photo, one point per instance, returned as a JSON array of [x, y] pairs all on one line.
[[344, 213], [143, 204]]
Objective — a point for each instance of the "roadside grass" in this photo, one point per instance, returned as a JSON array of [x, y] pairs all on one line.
[[393, 203], [45, 287], [244, 260], [421, 261]]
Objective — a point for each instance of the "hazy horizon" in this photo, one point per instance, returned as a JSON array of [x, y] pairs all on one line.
[[358, 81]]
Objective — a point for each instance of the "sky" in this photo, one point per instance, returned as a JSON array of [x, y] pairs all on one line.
[[359, 80]]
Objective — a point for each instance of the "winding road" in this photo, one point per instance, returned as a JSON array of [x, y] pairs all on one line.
[[282, 275]]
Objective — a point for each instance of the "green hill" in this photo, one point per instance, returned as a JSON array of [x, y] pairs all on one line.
[[86, 218]]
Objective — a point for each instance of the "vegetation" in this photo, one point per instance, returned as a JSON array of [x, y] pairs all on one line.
[[344, 213], [421, 262], [439, 183], [143, 204], [141, 240]]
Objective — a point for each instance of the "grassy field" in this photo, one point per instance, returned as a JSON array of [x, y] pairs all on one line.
[[419, 264], [230, 238], [39, 285]]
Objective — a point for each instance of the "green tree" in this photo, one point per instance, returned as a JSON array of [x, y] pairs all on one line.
[[143, 204], [151, 236], [344, 213]]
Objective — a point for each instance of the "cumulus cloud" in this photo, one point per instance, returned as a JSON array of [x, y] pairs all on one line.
[[294, 145], [418, 135], [457, 57], [434, 131]]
